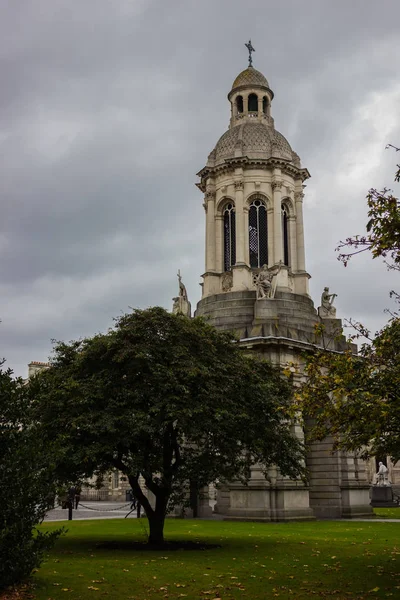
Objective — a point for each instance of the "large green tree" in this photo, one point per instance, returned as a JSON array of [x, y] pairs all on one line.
[[356, 397], [27, 484], [168, 399]]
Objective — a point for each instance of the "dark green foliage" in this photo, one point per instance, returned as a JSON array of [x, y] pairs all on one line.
[[169, 399], [356, 398], [26, 488]]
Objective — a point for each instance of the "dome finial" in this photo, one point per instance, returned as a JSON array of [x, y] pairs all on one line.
[[250, 49]]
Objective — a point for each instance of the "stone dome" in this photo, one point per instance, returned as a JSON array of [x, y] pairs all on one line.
[[250, 77], [254, 140]]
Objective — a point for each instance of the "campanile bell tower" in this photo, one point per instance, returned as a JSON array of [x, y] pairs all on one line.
[[253, 197], [256, 284]]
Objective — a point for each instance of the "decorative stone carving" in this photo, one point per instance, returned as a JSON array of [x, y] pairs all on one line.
[[327, 310], [227, 281], [265, 283], [276, 185], [238, 185], [299, 196], [210, 194], [181, 304]]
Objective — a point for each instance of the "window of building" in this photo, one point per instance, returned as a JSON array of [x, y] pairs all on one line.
[[229, 237], [253, 103], [258, 234], [239, 104], [285, 235], [265, 105]]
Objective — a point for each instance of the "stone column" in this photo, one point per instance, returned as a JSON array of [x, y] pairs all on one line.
[[210, 236], [245, 104], [301, 261], [270, 224], [219, 244], [260, 106], [292, 242], [234, 107], [278, 241], [240, 225], [246, 235]]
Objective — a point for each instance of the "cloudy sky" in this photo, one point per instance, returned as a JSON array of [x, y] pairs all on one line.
[[109, 108]]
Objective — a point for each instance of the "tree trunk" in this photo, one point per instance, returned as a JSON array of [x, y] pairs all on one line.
[[156, 516], [156, 525]]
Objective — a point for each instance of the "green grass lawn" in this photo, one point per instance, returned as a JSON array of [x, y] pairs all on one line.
[[337, 560], [387, 513]]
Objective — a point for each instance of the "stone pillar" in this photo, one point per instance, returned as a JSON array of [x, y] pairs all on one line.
[[245, 104], [260, 106], [210, 235], [240, 225], [270, 222], [292, 242], [278, 241], [246, 235], [301, 259], [219, 244]]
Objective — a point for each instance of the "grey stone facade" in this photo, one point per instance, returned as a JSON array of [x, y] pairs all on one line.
[[280, 329]]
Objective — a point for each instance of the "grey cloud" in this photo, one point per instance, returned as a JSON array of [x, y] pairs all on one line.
[[109, 109]]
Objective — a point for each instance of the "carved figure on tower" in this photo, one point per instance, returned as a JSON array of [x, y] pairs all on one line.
[[181, 304], [327, 310], [264, 281]]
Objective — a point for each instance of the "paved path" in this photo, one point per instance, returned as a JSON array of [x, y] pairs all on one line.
[[118, 510], [92, 510]]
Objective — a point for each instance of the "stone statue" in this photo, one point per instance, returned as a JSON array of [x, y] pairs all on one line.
[[181, 305], [382, 477], [263, 282], [327, 310]]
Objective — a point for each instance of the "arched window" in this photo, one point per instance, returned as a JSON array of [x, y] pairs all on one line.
[[285, 235], [258, 234], [229, 237], [239, 104], [253, 103], [265, 105]]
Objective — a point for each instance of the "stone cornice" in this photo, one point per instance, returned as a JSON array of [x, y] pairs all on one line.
[[230, 164], [249, 87]]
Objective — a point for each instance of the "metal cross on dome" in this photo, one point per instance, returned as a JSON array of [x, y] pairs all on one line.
[[250, 49]]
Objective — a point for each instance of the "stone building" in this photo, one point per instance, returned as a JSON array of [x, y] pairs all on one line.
[[256, 283]]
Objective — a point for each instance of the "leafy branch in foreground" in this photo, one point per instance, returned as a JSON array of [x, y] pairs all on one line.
[[26, 484], [356, 397], [383, 228]]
